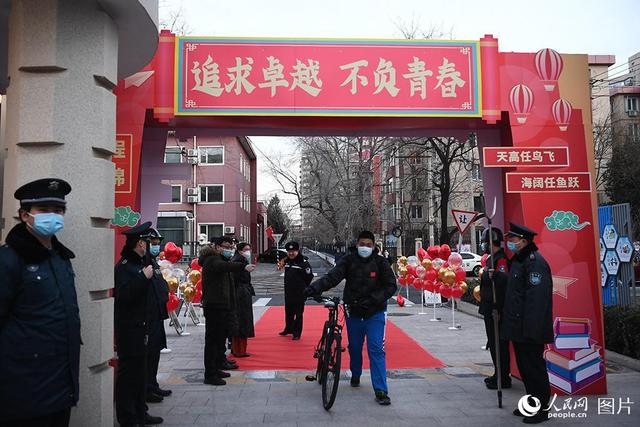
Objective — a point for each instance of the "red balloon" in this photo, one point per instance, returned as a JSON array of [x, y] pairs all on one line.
[[460, 274], [411, 270], [431, 275], [483, 260], [457, 292], [402, 281], [446, 264], [428, 285], [445, 291], [199, 286], [195, 264], [445, 251], [433, 251], [422, 254], [436, 287], [418, 283], [161, 255], [172, 252], [197, 298], [173, 302], [400, 300]]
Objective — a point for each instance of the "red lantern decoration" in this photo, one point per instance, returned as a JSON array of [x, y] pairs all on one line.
[[173, 302], [561, 110], [433, 251], [549, 65], [172, 252], [521, 100], [460, 274], [445, 252], [195, 264]]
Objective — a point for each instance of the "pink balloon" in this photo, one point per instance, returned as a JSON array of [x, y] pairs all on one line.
[[455, 260], [421, 271]]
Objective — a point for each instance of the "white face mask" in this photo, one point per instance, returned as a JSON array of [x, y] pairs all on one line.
[[247, 255], [364, 251]]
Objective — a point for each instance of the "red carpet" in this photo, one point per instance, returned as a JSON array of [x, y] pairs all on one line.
[[269, 351]]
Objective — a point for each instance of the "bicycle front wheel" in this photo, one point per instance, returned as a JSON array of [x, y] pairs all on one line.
[[331, 370]]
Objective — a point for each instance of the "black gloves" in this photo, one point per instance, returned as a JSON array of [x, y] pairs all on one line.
[[309, 291]]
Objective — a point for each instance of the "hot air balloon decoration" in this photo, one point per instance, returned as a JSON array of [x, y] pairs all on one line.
[[521, 99], [561, 110], [549, 65]]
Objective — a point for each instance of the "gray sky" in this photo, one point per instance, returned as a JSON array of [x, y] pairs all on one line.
[[568, 26]]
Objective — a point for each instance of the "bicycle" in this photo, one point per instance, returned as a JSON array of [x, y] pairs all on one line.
[[328, 351]]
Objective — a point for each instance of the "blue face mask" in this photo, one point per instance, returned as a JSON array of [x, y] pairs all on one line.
[[227, 253], [154, 250], [47, 224], [364, 251], [513, 247]]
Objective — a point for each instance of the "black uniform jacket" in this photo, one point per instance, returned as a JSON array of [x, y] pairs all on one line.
[[499, 262], [370, 283], [528, 306], [297, 276], [39, 327], [136, 303]]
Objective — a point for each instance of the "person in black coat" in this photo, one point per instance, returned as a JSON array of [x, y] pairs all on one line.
[[157, 335], [136, 309], [528, 315], [495, 273], [297, 276], [244, 302], [39, 315]]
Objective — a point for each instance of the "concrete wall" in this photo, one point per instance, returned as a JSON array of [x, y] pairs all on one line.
[[60, 122]]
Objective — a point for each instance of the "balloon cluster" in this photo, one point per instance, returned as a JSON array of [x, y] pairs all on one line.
[[181, 285], [430, 272]]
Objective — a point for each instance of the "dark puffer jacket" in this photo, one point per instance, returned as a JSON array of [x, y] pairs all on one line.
[[370, 283], [297, 276]]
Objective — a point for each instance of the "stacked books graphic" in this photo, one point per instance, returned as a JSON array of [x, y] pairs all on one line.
[[573, 360]]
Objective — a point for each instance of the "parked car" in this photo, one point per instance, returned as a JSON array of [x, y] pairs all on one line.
[[471, 262], [272, 255]]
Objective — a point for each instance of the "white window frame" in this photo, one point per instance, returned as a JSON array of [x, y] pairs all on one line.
[[630, 102], [211, 185], [173, 203], [200, 224], [201, 163], [164, 154]]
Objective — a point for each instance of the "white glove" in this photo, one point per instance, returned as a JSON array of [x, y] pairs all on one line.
[[249, 267]]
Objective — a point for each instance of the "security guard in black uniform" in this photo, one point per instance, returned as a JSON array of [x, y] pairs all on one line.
[[495, 272], [39, 316], [297, 276], [528, 316], [157, 335], [135, 310]]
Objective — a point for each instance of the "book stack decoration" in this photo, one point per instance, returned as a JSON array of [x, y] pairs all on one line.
[[573, 360]]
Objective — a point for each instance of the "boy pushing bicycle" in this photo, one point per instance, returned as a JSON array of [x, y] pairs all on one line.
[[370, 282]]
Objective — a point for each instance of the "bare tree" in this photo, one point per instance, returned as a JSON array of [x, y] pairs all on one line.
[[412, 29], [172, 18], [603, 149]]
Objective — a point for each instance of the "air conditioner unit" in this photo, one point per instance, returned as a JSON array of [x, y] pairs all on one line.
[[192, 152], [229, 229], [193, 191], [193, 199], [632, 113]]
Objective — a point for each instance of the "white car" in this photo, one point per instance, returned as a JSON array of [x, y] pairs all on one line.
[[471, 262]]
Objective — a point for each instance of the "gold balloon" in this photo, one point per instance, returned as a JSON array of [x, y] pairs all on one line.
[[441, 273], [402, 271], [189, 293], [427, 264], [173, 284], [194, 276], [402, 260], [449, 277], [476, 293], [183, 286], [464, 286]]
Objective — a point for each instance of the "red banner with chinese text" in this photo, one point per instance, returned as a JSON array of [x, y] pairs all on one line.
[[219, 76]]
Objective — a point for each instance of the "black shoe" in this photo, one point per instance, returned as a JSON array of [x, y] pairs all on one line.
[[228, 366], [222, 374], [162, 392], [150, 419], [540, 417], [493, 385], [295, 338], [154, 398], [215, 381], [517, 413], [490, 379], [355, 381], [382, 398], [284, 333]]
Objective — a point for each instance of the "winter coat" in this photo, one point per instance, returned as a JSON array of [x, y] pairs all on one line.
[[138, 310], [500, 277], [39, 327], [244, 302], [297, 276], [370, 282], [528, 306]]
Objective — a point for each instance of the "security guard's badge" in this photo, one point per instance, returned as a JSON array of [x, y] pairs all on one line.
[[535, 278], [502, 268], [307, 270], [33, 268]]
